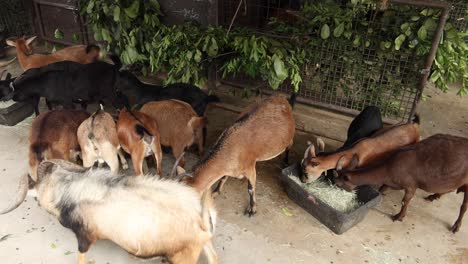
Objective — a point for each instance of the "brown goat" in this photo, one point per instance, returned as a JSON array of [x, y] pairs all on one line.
[[179, 126], [437, 165], [138, 135], [98, 140], [369, 150], [260, 134], [53, 136], [80, 53]]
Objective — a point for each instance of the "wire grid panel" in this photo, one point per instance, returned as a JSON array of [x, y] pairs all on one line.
[[338, 75], [14, 18], [459, 15]]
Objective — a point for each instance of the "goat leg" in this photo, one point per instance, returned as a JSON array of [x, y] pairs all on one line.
[[252, 208], [463, 207], [409, 193], [433, 197], [122, 159], [219, 188]]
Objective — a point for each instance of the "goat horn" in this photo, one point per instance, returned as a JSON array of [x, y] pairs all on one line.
[[181, 176], [1, 74], [174, 169], [3, 64], [22, 191]]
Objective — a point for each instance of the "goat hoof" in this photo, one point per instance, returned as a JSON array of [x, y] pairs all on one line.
[[455, 227], [250, 212], [397, 217]]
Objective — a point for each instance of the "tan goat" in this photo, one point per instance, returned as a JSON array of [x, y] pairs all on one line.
[[98, 140], [53, 136], [178, 124], [262, 133], [138, 135], [80, 53]]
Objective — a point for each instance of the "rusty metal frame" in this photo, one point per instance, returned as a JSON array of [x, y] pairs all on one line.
[[73, 8]]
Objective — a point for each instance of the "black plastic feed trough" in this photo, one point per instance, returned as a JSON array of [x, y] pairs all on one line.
[[335, 220], [15, 113]]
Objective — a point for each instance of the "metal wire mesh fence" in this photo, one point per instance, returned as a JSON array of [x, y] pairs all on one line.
[[338, 75], [459, 15]]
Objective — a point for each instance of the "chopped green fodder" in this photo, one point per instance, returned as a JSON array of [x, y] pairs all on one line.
[[6, 104], [330, 194]]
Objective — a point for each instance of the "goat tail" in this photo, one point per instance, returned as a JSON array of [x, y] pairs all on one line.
[[144, 133], [292, 99], [40, 150], [208, 214], [416, 119], [116, 60]]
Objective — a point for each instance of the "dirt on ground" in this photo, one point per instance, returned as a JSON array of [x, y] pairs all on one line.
[[30, 235]]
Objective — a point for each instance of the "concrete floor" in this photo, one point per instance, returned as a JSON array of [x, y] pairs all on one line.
[[30, 235]]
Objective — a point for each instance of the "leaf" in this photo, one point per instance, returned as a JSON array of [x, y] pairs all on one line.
[[280, 70], [90, 7], [53, 246], [197, 56], [117, 14], [338, 30], [415, 18], [422, 33], [286, 212], [325, 32], [58, 34], [132, 10], [106, 35], [68, 253], [399, 41], [5, 237], [76, 38], [357, 41], [213, 49]]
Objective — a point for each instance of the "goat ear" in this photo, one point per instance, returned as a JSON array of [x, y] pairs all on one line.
[[10, 42], [310, 152], [320, 145], [8, 77], [340, 163], [354, 162], [30, 40]]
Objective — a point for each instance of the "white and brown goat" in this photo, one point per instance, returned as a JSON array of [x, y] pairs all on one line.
[[98, 140], [146, 216], [139, 136], [53, 136], [178, 124], [261, 133], [80, 53]]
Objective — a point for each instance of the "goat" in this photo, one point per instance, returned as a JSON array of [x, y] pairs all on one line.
[[146, 216], [139, 136], [369, 150], [260, 134], [79, 53], [363, 125], [85, 83], [437, 165], [98, 140], [53, 136], [185, 92], [178, 125]]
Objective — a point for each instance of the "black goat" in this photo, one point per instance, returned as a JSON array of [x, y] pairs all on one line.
[[363, 125], [67, 82], [144, 93]]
